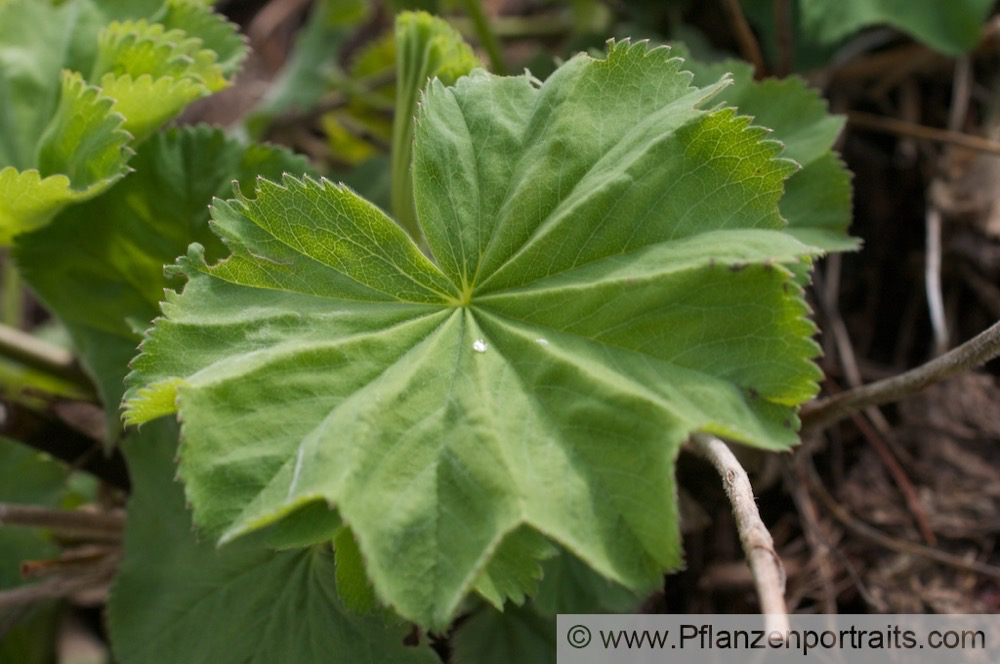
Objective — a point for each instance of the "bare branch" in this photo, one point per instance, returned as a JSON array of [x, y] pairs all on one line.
[[758, 546], [872, 122], [98, 574], [978, 350]]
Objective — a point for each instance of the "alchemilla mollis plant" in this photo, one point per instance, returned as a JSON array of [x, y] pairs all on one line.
[[379, 420], [606, 272]]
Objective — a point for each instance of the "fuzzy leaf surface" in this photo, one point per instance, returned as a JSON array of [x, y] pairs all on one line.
[[609, 274]]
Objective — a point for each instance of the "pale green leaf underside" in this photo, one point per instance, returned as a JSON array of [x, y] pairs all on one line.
[[609, 275]]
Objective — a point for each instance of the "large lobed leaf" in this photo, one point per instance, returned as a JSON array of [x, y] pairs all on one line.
[[609, 274]]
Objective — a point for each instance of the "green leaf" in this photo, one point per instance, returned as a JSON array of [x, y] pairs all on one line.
[[514, 569], [609, 274], [110, 280], [187, 55], [817, 199], [516, 635], [82, 153], [66, 141], [175, 600], [426, 47], [569, 586], [950, 27], [352, 583], [220, 40], [34, 37]]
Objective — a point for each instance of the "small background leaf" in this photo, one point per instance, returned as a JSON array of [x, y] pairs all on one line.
[[72, 138], [516, 635], [951, 27], [426, 47]]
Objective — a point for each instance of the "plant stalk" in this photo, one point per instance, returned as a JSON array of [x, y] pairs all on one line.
[[758, 545], [978, 350]]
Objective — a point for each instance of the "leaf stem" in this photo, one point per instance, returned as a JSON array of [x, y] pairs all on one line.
[[978, 350], [758, 546]]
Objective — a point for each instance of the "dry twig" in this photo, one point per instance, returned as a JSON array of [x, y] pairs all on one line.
[[75, 524], [884, 124], [758, 546], [978, 350], [43, 356]]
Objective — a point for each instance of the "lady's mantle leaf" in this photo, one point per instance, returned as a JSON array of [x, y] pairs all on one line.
[[426, 47], [81, 154], [817, 199], [185, 56], [175, 600], [609, 275]]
